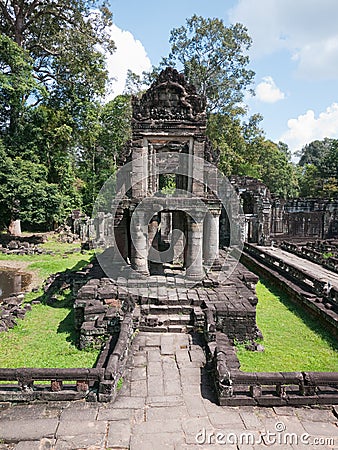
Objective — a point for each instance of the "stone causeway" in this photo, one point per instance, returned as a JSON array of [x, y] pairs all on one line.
[[166, 401]]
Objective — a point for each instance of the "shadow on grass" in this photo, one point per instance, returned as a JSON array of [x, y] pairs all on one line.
[[310, 321], [67, 326]]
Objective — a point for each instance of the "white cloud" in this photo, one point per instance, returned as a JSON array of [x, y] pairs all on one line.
[[305, 28], [129, 54], [307, 128], [268, 92]]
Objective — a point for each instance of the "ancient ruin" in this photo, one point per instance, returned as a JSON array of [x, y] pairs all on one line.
[[173, 240], [168, 237]]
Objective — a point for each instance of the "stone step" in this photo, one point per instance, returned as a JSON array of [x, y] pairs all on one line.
[[164, 300], [166, 309], [167, 329], [165, 319]]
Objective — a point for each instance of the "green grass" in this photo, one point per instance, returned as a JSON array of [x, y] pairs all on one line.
[[46, 337], [293, 341], [44, 265]]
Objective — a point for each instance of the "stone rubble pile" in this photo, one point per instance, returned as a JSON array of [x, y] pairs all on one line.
[[65, 234], [98, 311], [12, 309], [17, 247]]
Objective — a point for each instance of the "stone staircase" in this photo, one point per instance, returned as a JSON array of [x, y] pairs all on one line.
[[171, 318]]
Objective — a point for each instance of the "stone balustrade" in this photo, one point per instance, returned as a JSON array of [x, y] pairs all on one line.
[[310, 293], [304, 279], [314, 253], [94, 384], [237, 388], [65, 384]]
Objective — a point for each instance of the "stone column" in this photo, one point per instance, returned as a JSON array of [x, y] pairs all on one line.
[[139, 175], [100, 224], [139, 247], [153, 232], [178, 236], [121, 233], [211, 239], [194, 248], [198, 169]]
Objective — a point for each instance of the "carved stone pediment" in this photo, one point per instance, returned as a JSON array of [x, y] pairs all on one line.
[[170, 98]]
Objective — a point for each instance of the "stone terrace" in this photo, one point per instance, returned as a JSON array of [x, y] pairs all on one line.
[[170, 303]]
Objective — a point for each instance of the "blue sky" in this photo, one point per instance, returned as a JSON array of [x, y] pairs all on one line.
[[294, 55]]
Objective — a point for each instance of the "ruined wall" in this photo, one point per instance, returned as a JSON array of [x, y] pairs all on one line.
[[305, 218]]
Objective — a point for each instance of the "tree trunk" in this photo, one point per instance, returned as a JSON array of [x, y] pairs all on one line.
[[15, 227]]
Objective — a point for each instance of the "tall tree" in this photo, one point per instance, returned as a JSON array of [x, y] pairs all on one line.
[[276, 171], [16, 82], [313, 152], [213, 58], [60, 42], [53, 73], [109, 128]]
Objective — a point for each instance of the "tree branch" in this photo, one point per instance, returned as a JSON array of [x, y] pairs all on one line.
[[34, 4], [5, 12], [48, 51]]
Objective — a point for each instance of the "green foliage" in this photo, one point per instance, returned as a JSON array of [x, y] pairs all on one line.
[[276, 171], [119, 384], [244, 150], [214, 59], [313, 152], [311, 184], [16, 81], [226, 135], [319, 169], [53, 77], [26, 193], [102, 146], [167, 183], [293, 341], [61, 39]]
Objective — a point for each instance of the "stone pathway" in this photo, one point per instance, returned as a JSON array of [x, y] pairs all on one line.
[[166, 402]]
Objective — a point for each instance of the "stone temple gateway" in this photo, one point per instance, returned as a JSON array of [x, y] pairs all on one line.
[[169, 142], [161, 256]]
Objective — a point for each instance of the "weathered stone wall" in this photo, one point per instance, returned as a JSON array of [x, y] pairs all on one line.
[[98, 312], [255, 199], [305, 218]]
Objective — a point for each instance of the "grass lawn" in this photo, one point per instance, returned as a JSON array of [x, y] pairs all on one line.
[[62, 259], [293, 341], [46, 337]]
